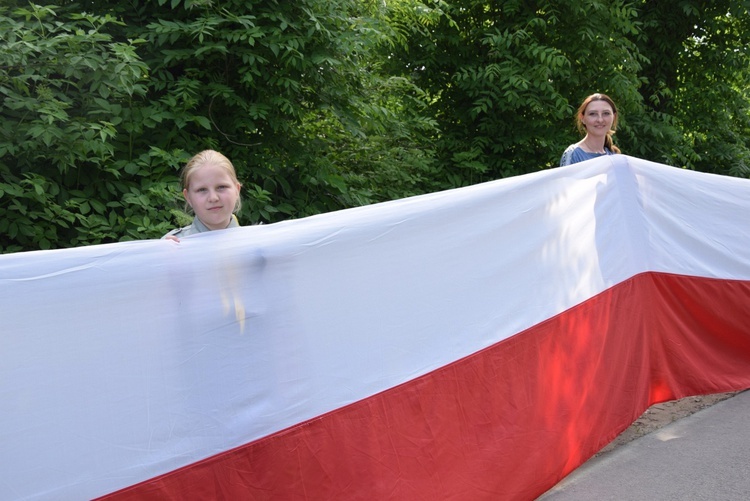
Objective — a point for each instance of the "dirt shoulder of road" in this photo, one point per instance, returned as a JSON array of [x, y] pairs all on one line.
[[660, 415]]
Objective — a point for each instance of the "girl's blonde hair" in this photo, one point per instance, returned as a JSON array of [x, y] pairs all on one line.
[[201, 159], [582, 109]]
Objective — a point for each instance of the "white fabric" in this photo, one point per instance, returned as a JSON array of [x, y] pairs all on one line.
[[125, 361]]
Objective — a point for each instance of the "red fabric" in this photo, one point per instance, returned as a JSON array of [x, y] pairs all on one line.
[[508, 422]]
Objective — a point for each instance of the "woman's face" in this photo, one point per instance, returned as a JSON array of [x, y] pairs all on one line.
[[598, 118], [213, 195]]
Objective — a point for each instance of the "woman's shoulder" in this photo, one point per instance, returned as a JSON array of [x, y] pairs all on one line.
[[181, 232], [571, 154], [195, 227]]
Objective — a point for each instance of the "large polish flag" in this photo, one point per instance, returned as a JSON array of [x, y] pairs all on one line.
[[477, 343]]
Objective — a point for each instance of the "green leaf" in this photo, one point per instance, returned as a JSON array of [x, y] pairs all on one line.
[[132, 168], [203, 122]]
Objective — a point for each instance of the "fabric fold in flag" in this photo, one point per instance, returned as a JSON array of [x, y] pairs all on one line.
[[478, 343]]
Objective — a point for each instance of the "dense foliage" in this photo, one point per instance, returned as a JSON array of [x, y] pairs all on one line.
[[327, 104], [505, 79]]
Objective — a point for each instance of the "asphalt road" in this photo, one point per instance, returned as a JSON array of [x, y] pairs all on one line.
[[705, 456]]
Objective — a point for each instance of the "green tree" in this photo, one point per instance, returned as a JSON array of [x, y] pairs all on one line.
[[695, 85], [280, 88], [64, 87], [327, 104], [500, 75], [131, 90], [504, 79]]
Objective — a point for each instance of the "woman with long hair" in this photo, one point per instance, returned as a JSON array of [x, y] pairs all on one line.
[[596, 120]]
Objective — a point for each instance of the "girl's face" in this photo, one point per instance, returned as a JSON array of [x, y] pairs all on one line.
[[598, 117], [213, 195]]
